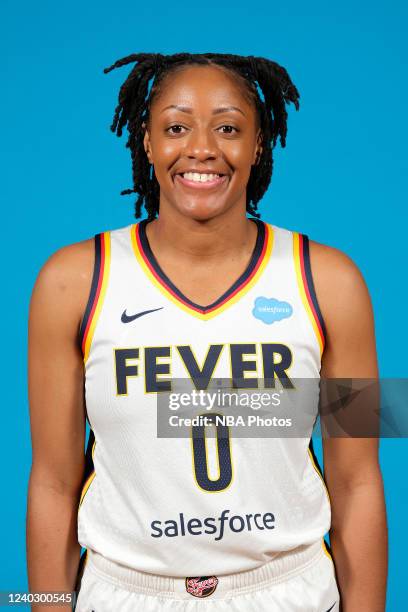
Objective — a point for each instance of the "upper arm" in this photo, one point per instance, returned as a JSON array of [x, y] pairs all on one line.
[[55, 367], [350, 352]]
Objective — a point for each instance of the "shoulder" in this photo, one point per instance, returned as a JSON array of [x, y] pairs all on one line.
[[330, 266], [340, 287], [334, 268], [68, 266], [333, 271], [63, 282], [342, 295]]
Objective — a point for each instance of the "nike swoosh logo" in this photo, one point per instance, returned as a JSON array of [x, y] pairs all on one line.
[[125, 318], [331, 607]]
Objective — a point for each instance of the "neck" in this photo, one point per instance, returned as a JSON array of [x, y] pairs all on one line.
[[224, 235]]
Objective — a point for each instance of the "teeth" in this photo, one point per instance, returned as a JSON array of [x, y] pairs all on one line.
[[200, 178]]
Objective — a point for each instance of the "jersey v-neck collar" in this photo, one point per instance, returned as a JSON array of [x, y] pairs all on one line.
[[260, 255]]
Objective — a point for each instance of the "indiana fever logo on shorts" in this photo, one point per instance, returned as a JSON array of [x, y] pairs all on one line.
[[202, 586]]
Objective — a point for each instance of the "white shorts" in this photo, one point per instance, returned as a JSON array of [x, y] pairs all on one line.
[[295, 581]]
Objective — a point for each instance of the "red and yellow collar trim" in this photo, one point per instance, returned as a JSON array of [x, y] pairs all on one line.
[[260, 257]]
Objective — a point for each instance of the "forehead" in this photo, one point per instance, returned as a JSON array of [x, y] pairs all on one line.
[[202, 86]]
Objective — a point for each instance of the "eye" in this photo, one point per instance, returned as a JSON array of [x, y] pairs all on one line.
[[172, 127], [229, 126]]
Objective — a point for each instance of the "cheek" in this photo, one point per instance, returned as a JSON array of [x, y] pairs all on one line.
[[165, 151], [168, 149], [165, 156], [239, 155]]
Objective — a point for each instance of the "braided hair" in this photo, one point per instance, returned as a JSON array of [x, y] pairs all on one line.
[[135, 101]]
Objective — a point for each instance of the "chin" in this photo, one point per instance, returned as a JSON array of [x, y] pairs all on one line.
[[201, 211]]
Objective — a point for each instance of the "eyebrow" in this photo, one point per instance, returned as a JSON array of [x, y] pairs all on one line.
[[216, 111]]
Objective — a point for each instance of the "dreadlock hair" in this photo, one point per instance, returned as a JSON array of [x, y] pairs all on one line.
[[133, 111]]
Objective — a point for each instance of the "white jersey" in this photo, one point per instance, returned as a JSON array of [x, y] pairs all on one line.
[[158, 504]]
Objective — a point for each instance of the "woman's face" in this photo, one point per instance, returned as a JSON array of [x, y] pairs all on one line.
[[202, 123]]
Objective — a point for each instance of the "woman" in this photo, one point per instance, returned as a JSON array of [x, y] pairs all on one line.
[[198, 291]]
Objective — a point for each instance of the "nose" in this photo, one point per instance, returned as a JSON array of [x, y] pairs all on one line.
[[201, 144]]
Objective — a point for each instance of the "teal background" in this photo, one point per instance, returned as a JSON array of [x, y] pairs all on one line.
[[341, 178]]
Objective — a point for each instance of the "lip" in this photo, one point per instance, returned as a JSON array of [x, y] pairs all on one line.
[[198, 185]]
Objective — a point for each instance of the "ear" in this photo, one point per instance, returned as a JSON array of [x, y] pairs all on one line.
[[258, 149], [146, 144]]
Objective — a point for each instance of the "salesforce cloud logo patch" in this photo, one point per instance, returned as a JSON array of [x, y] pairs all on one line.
[[270, 310]]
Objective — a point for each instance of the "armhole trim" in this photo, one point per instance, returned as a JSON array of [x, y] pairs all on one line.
[[89, 471], [306, 286], [97, 292], [316, 466]]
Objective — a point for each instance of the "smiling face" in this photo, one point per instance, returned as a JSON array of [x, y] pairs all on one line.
[[202, 123]]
